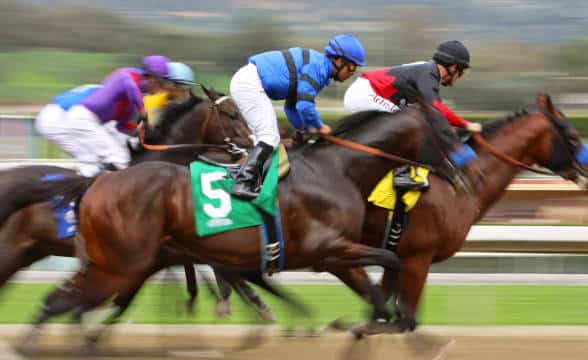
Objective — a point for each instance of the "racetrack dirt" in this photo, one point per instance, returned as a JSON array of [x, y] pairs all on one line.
[[240, 342]]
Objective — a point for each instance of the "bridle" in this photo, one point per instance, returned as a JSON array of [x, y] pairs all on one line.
[[213, 114], [559, 129]]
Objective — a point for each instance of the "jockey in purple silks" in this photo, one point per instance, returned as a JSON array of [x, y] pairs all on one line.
[[95, 123]]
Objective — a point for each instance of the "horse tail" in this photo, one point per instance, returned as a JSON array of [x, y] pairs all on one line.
[[33, 191]]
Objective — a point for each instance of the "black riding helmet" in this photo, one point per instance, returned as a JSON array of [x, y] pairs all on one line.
[[452, 52]]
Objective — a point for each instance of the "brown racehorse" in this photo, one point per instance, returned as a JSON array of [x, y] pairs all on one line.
[[438, 225], [30, 234], [318, 200], [320, 242]]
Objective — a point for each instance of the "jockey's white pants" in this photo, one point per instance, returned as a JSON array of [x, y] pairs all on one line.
[[255, 106], [50, 122], [360, 96], [120, 137], [94, 145]]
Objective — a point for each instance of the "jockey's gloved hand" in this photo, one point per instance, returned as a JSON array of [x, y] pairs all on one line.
[[474, 127]]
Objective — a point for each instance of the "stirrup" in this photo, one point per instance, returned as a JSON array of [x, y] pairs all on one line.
[[403, 181]]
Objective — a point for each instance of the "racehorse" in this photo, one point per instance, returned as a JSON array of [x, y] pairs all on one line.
[[324, 240], [30, 234], [439, 223], [321, 218]]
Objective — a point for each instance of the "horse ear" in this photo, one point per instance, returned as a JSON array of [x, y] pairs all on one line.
[[544, 103]]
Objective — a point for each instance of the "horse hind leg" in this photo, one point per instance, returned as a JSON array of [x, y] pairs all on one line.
[[347, 254], [63, 299]]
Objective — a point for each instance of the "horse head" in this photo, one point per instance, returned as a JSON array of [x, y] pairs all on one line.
[[561, 149], [212, 121]]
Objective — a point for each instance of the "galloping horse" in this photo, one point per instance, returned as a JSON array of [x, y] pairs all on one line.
[[29, 235], [438, 225], [319, 209], [319, 224]]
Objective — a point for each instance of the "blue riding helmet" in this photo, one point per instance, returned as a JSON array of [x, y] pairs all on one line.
[[155, 65], [180, 73], [348, 47]]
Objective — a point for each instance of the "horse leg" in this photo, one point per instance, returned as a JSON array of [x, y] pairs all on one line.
[[122, 301], [358, 281], [413, 276], [192, 286], [223, 306], [342, 255], [249, 295]]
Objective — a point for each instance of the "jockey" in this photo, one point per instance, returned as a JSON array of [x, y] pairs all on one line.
[[50, 122], [296, 75], [176, 89], [390, 89], [119, 99]]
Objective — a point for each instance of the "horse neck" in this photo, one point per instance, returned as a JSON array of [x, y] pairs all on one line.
[[185, 130], [397, 134], [516, 140]]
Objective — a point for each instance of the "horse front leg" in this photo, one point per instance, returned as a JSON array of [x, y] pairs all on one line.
[[191, 285], [413, 276]]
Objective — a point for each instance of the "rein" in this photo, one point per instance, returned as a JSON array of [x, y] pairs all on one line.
[[507, 159], [371, 150]]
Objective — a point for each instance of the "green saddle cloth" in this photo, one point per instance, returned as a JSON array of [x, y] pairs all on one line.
[[216, 211]]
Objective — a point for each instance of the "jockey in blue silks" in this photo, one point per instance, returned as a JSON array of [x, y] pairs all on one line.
[[296, 75]]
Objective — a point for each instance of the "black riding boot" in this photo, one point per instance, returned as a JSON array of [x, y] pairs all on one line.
[[248, 181]]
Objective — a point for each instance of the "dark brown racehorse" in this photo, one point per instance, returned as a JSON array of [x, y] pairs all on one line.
[[323, 241], [30, 234], [438, 225], [319, 205]]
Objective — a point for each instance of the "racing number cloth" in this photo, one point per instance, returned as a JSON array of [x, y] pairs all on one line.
[[215, 211]]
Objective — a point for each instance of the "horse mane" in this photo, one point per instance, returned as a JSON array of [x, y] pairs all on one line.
[[356, 120], [490, 128], [176, 111]]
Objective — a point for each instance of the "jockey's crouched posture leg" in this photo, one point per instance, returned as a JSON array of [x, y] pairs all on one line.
[[248, 180]]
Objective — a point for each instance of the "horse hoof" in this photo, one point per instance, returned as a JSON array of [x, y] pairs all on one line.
[[223, 309], [190, 306], [375, 327], [266, 314], [405, 324], [358, 331]]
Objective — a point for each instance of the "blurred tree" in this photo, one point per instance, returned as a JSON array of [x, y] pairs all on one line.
[[254, 34]]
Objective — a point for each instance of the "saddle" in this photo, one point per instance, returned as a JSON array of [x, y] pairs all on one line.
[[399, 196]]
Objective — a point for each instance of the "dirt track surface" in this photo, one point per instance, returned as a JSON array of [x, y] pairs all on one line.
[[229, 342]]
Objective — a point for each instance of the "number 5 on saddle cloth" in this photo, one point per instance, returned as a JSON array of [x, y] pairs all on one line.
[[399, 191], [215, 211]]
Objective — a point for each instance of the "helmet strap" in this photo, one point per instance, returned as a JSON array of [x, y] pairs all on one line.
[[450, 73], [338, 68]]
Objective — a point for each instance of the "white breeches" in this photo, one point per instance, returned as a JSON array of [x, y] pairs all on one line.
[[256, 107], [360, 96], [94, 144]]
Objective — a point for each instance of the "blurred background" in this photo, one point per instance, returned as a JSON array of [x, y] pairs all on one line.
[[518, 48]]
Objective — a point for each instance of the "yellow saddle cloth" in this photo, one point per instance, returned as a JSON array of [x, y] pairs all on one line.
[[384, 194]]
